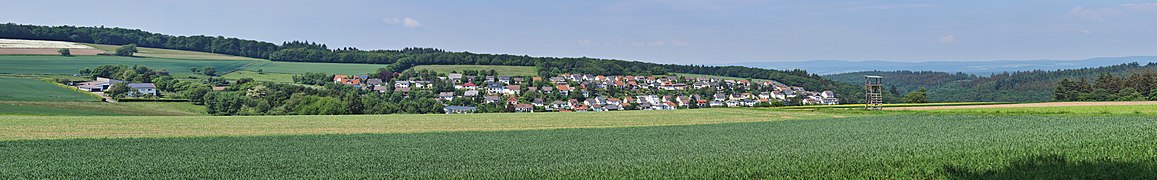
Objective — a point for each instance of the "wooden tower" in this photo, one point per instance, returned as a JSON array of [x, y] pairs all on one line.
[[874, 89]]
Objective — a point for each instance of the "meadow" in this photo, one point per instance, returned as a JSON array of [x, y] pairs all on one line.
[[40, 108], [304, 67], [172, 54], [265, 76], [501, 70], [30, 89], [24, 64], [877, 146], [69, 127]]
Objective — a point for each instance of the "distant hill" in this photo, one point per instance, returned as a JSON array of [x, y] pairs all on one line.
[[1020, 86], [983, 68]]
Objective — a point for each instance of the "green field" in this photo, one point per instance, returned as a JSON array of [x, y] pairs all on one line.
[[172, 54], [99, 109], [58, 127], [304, 67], [29, 89], [267, 77], [722, 143], [71, 65], [1104, 110], [501, 70]]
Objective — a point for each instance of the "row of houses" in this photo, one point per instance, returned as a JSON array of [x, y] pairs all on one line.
[[496, 89]]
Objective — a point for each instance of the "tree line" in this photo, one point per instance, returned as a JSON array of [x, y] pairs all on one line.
[[1139, 86], [123, 36]]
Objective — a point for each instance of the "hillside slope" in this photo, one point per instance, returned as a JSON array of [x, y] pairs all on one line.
[[1021, 86], [407, 58]]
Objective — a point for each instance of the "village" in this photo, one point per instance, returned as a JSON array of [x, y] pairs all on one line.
[[586, 92]]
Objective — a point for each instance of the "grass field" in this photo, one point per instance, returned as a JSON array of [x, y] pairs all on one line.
[[29, 89], [502, 70], [61, 127], [1118, 110], [884, 146], [172, 54], [34, 108], [267, 77], [14, 64], [304, 67]]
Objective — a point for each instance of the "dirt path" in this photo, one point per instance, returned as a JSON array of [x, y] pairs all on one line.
[[1047, 104]]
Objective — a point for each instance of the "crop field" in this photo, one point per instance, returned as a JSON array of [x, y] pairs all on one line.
[[172, 54], [501, 70], [267, 77], [1139, 109], [39, 44], [64, 127], [304, 67], [35, 108], [879, 146], [13, 64], [29, 89]]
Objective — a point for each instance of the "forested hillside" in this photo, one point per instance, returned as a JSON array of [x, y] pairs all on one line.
[[1022, 86], [403, 59]]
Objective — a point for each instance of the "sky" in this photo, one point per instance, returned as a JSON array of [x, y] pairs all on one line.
[[672, 31]]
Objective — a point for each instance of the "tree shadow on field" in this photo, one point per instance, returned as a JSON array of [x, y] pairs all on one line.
[[1058, 167]]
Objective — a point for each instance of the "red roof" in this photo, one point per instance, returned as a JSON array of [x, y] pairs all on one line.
[[468, 84], [563, 88]]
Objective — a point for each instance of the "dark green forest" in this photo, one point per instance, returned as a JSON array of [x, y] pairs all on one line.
[[1138, 86], [400, 60], [1021, 86]]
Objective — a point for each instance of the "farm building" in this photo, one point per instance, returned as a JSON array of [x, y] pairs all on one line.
[[99, 85], [142, 89]]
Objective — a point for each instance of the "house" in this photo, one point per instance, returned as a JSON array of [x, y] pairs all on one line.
[[504, 79], [454, 77], [142, 89], [731, 103], [559, 105], [491, 99], [523, 108], [340, 78], [401, 84], [538, 102], [512, 90], [747, 102], [459, 109], [381, 89], [494, 88], [374, 82], [467, 85], [612, 107], [98, 85], [716, 103], [448, 96], [470, 93]]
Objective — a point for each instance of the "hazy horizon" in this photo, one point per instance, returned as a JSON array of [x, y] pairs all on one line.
[[678, 32]]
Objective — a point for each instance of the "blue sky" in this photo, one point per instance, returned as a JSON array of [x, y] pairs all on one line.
[[676, 31]]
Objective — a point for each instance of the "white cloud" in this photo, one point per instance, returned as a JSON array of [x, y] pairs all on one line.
[[585, 42], [404, 22], [1086, 32], [948, 39]]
